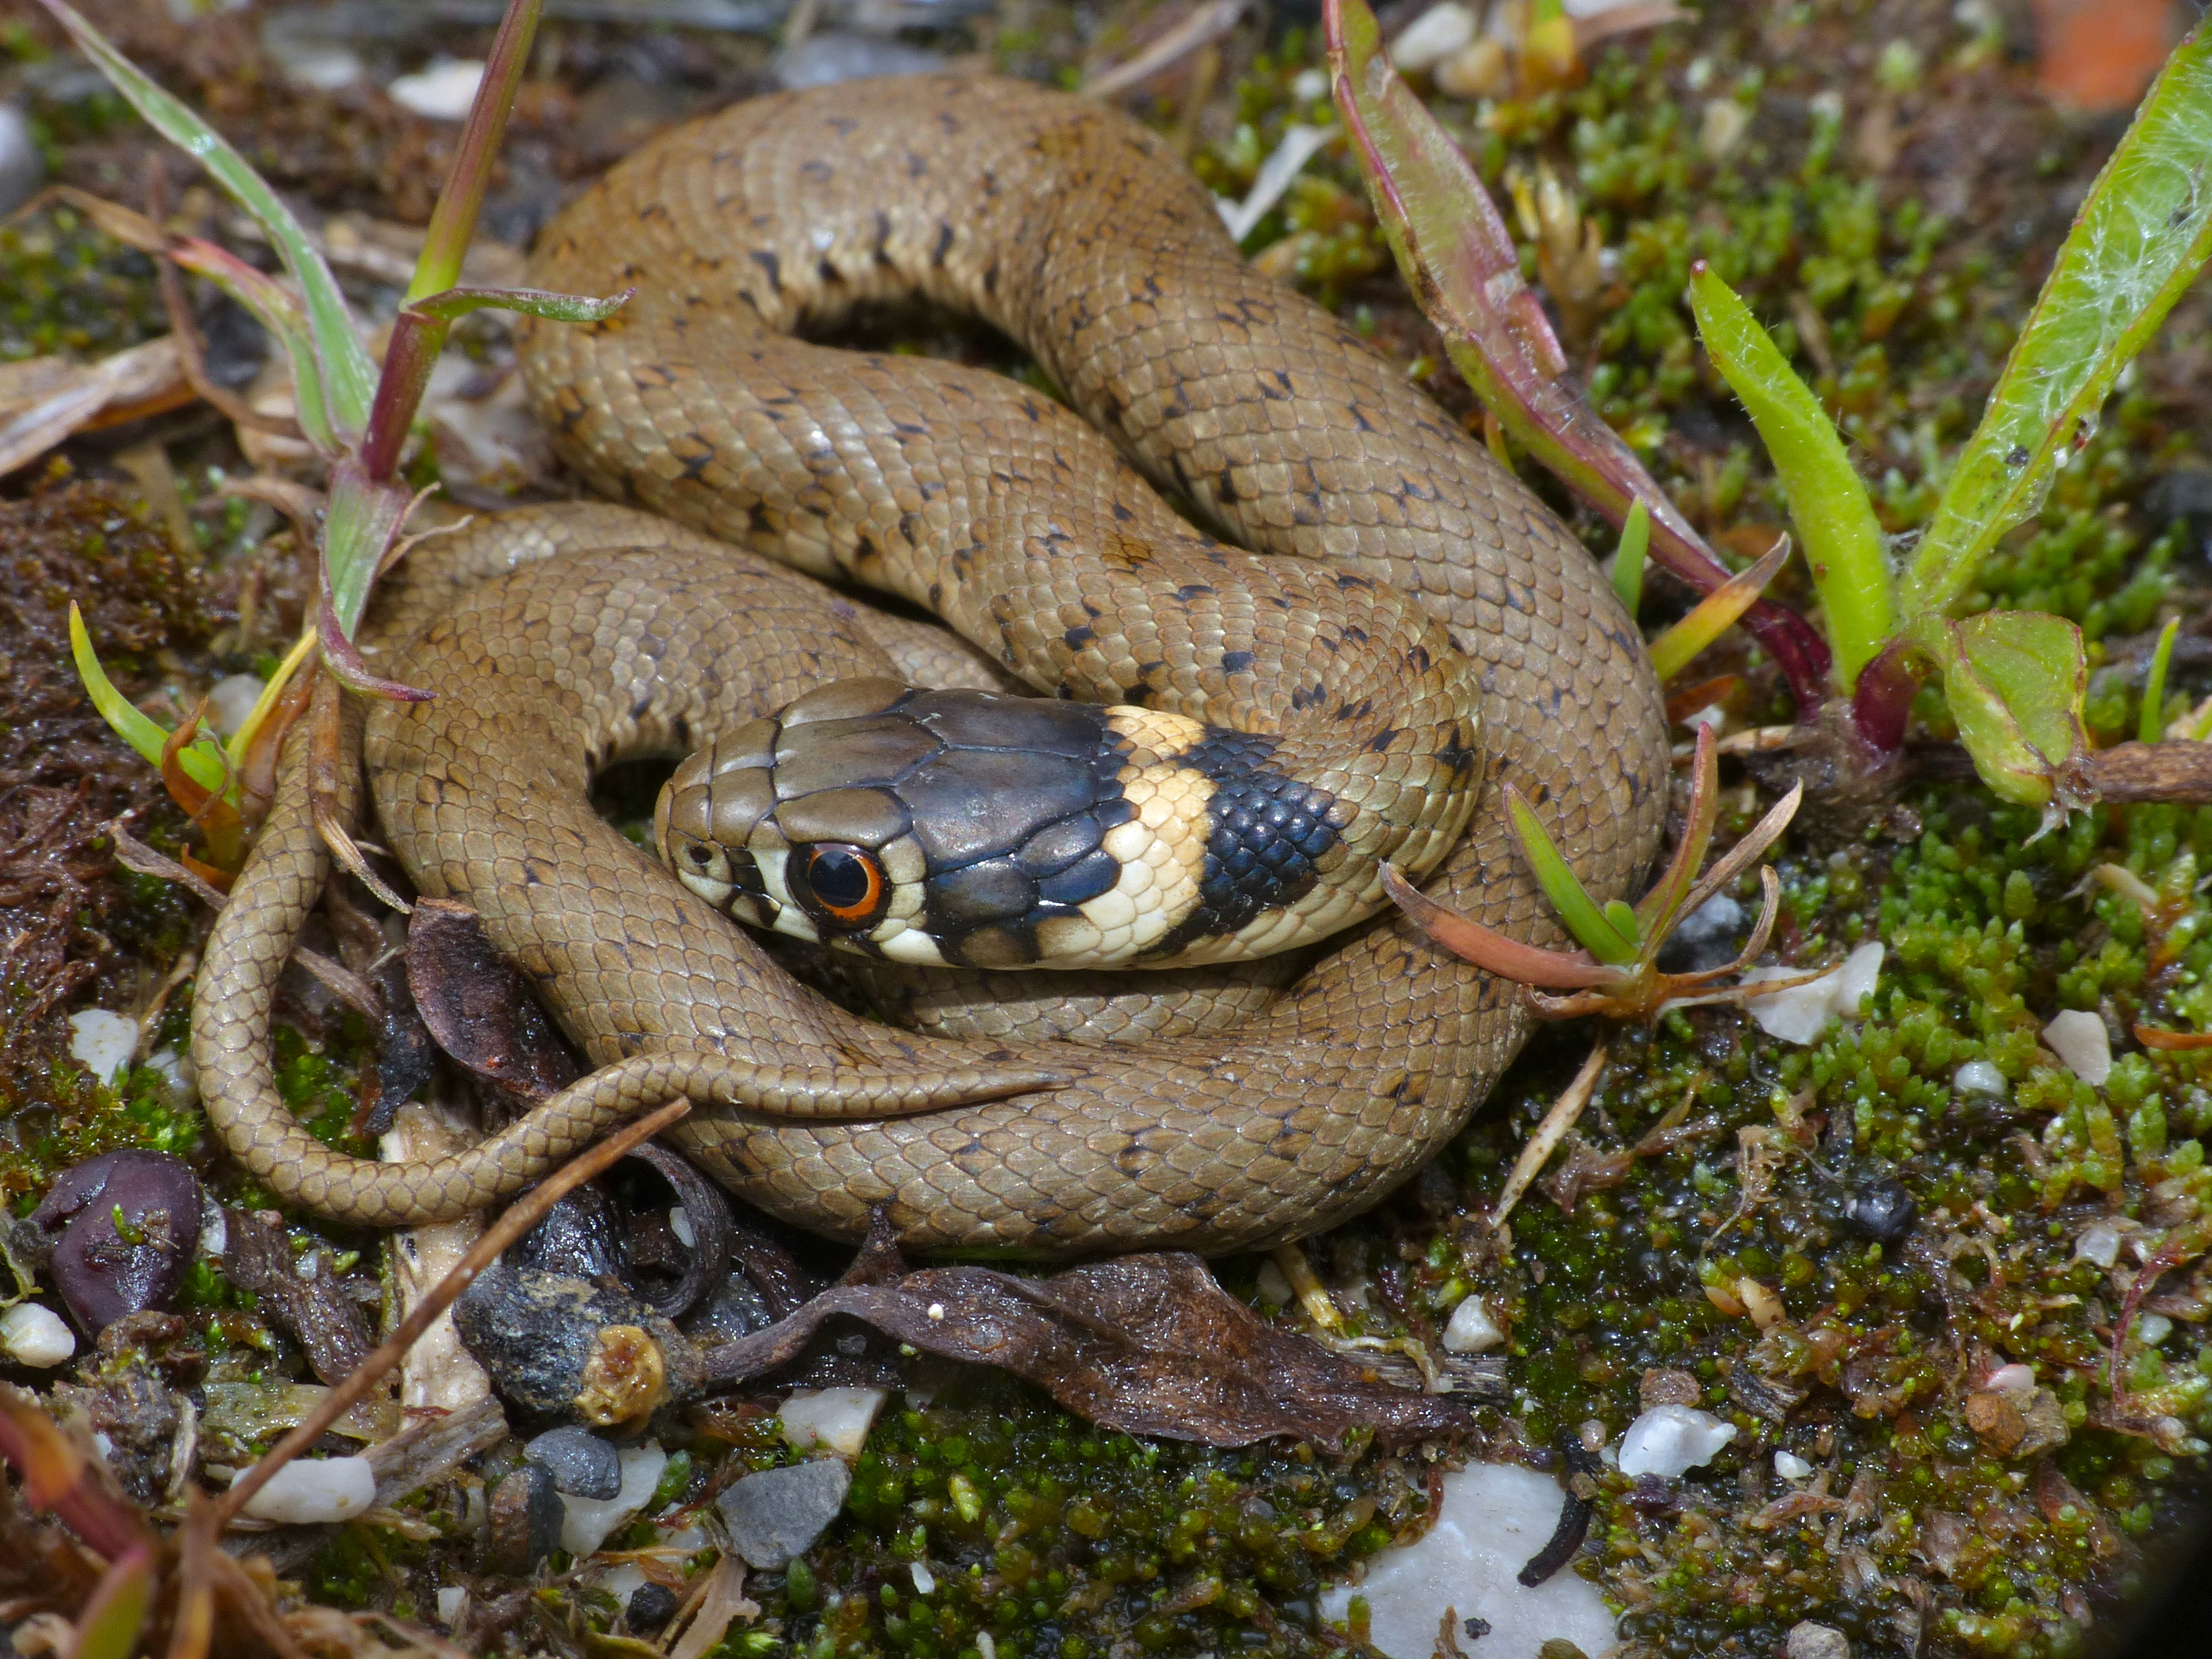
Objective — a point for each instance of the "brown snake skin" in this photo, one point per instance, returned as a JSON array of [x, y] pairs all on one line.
[[1076, 233]]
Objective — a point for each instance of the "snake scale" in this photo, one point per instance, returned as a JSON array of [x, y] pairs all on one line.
[[1211, 1108]]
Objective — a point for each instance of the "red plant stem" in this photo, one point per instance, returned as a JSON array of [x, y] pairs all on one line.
[[1884, 696], [416, 340]]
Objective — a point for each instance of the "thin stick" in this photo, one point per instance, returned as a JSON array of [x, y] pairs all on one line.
[[1550, 1133], [519, 1219]]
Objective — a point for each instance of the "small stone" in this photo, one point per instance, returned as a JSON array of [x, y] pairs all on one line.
[[1664, 1386], [314, 1491], [2079, 1039], [36, 1336], [1996, 1420], [1721, 127], [650, 1606], [582, 1464], [838, 1419], [1882, 1211], [1979, 1077], [1310, 86], [1791, 1467], [22, 169], [443, 92], [1477, 70], [231, 699], [777, 1514], [1812, 1641], [1471, 1328], [1799, 1014], [587, 1522], [102, 1043], [452, 1600], [1437, 34], [1671, 1440], [2099, 1243], [525, 1523]]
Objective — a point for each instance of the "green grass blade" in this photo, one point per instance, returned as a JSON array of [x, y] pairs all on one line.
[[202, 760], [349, 375], [2140, 236], [1593, 929], [1628, 558], [2152, 724], [1827, 501], [457, 302], [1715, 614]]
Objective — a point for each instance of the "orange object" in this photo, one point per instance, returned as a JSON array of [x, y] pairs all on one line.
[[2098, 56]]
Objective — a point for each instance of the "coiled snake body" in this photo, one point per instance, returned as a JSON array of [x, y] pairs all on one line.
[[616, 633]]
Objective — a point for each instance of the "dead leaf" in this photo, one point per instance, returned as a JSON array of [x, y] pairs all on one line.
[[722, 1601], [477, 1007], [258, 1257], [1144, 1344], [44, 400]]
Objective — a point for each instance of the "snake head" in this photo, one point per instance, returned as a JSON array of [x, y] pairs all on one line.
[[976, 829]]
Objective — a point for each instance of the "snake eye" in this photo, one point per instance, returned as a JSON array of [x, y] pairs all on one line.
[[843, 886]]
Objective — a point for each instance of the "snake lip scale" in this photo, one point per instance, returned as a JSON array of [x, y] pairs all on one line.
[[1367, 601]]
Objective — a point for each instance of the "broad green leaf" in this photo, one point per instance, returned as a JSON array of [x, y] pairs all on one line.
[[1628, 558], [1593, 929], [1827, 501], [2016, 682], [2151, 725], [202, 761], [455, 302], [1715, 614], [2138, 241], [348, 376], [1461, 264]]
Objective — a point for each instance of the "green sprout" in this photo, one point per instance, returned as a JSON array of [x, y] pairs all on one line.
[[1628, 558], [354, 415], [1616, 972], [2152, 724]]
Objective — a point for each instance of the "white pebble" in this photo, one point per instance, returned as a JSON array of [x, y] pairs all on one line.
[[587, 1522], [1310, 86], [102, 1043], [443, 92], [451, 1599], [22, 169], [1273, 1286], [1433, 36], [1979, 1077], [985, 1645], [1791, 1467], [2151, 1329], [925, 1581], [1799, 1014], [35, 1335], [1471, 1328], [231, 699], [177, 1071], [836, 1418], [2010, 1379], [1494, 1517], [2078, 1038], [1669, 1440], [679, 1223], [313, 1491], [1718, 917], [2099, 1243]]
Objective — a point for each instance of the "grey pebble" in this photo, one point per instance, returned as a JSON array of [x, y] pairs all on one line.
[[1812, 1641], [821, 59], [22, 169], [777, 1515], [582, 1464]]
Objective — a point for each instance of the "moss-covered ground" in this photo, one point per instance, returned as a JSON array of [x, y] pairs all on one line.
[[1883, 186]]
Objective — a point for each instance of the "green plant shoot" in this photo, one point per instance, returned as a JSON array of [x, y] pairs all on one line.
[[1612, 938], [1628, 558], [1827, 501], [2152, 723]]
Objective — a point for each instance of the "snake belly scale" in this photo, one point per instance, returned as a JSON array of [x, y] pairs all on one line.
[[559, 638]]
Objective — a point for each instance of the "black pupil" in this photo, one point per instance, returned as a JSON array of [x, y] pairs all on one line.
[[839, 878]]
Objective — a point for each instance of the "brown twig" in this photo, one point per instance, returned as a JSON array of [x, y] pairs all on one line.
[[519, 1218]]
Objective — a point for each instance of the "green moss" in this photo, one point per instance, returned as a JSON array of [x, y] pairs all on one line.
[[1059, 1540]]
